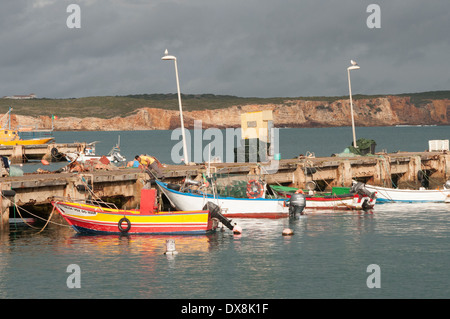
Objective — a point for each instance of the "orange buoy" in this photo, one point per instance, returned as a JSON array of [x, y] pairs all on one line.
[[254, 189], [237, 230], [288, 232], [44, 162]]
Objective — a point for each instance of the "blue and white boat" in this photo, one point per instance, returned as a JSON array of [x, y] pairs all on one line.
[[230, 206], [389, 195]]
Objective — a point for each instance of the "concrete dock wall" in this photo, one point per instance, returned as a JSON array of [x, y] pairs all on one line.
[[23, 153], [400, 169]]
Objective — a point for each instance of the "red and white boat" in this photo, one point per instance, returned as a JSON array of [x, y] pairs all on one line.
[[340, 198]]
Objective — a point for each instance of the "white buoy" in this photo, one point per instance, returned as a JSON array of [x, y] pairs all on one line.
[[170, 247], [237, 230], [288, 232]]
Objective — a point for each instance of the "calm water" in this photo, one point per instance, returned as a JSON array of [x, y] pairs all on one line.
[[320, 141], [327, 257]]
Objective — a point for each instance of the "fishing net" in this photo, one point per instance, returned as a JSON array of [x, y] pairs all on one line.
[[231, 185], [365, 146]]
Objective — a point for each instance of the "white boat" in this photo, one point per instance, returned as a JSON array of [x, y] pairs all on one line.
[[230, 206], [114, 157], [88, 154], [385, 195]]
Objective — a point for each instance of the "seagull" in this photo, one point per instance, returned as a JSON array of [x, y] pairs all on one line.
[[353, 62], [166, 52]]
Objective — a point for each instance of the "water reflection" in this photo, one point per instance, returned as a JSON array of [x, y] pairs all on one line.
[[328, 249], [143, 244], [316, 224], [400, 219]]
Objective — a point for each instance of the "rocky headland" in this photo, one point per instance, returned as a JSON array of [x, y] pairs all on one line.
[[374, 111]]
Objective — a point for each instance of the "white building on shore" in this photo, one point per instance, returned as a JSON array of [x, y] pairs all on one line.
[[21, 97]]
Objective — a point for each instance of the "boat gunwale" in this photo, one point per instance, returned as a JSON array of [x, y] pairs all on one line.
[[408, 190], [210, 196]]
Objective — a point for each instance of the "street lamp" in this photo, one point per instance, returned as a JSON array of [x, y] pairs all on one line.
[[354, 66], [171, 57]]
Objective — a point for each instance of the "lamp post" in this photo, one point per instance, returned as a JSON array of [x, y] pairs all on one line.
[[354, 66], [171, 57]]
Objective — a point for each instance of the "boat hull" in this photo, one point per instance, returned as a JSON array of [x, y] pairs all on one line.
[[355, 202], [28, 142], [97, 220], [335, 202], [230, 206], [83, 158], [389, 195]]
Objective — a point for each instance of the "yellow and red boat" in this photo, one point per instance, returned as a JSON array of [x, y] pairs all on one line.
[[95, 218]]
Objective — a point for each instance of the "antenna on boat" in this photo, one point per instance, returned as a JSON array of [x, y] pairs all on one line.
[[9, 121]]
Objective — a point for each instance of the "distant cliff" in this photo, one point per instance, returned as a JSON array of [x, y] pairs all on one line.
[[373, 111]]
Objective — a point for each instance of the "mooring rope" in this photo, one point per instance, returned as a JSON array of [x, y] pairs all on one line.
[[18, 208], [48, 220]]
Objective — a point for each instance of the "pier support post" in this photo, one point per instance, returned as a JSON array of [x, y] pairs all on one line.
[[409, 179], [444, 167], [344, 175], [298, 176], [17, 154], [446, 160], [5, 203], [4, 216], [439, 170], [382, 174]]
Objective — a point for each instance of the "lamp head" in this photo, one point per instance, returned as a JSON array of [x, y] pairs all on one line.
[[354, 65], [167, 56]]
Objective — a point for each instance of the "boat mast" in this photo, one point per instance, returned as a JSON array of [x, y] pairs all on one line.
[[9, 112]]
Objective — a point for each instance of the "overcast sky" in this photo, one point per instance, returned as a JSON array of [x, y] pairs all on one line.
[[248, 48]]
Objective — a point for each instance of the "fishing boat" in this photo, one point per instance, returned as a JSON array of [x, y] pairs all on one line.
[[94, 217], [389, 195], [88, 154], [12, 137], [24, 136], [254, 206], [340, 198]]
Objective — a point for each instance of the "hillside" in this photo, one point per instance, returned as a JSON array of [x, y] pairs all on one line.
[[160, 111]]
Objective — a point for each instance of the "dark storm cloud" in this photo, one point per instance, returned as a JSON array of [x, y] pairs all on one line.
[[247, 48]]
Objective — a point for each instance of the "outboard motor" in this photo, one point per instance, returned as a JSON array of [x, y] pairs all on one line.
[[297, 204], [447, 185], [216, 213], [359, 188]]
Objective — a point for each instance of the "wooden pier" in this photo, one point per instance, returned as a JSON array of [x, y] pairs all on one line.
[[125, 183]]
